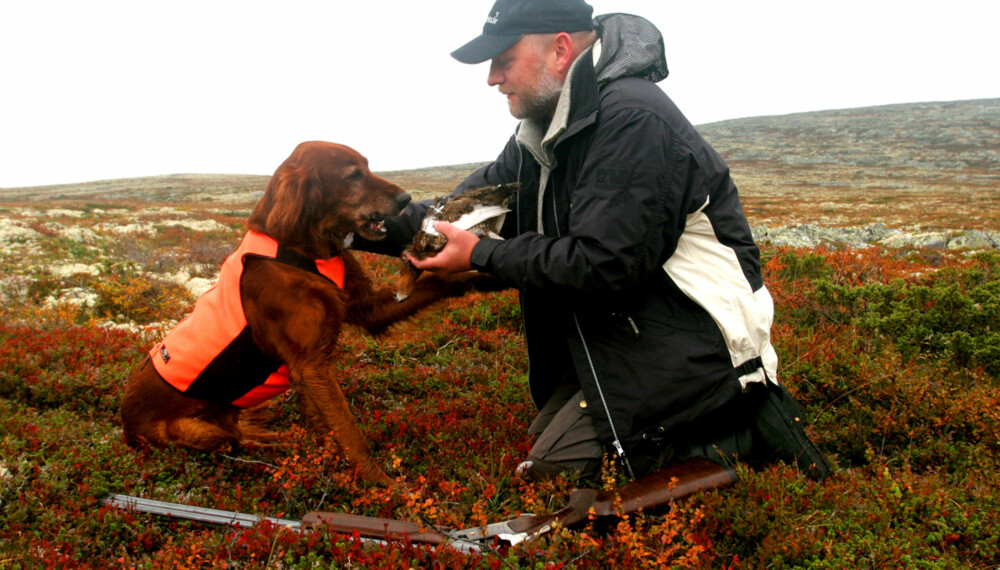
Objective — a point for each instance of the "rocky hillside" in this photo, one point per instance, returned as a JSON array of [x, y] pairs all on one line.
[[920, 173], [421, 182], [919, 168], [951, 136], [173, 187]]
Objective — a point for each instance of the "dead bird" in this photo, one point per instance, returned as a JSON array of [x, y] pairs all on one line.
[[480, 211]]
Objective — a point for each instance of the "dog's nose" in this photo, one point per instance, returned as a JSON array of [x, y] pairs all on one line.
[[402, 200]]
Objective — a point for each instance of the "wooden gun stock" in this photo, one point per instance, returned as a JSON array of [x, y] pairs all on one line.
[[662, 487], [648, 493]]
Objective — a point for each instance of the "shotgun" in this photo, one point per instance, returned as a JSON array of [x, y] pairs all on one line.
[[648, 493], [370, 529]]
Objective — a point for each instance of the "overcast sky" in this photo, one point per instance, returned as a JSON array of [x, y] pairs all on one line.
[[112, 89]]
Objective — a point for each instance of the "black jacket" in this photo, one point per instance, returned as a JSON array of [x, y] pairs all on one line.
[[644, 261]]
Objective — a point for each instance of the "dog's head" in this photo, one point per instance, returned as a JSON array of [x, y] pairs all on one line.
[[321, 194]]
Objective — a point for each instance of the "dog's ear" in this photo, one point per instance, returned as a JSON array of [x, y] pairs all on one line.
[[290, 207]]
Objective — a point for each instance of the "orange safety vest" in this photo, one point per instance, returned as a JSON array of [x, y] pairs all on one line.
[[211, 355]]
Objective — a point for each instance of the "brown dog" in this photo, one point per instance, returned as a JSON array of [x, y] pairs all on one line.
[[273, 319]]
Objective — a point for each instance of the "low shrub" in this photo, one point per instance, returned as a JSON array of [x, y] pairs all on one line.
[[892, 354]]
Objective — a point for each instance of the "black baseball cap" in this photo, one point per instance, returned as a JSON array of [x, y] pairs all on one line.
[[509, 20]]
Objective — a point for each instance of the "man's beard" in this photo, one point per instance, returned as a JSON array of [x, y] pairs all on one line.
[[540, 104]]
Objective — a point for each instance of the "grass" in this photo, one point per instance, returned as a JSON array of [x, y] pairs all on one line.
[[892, 352]]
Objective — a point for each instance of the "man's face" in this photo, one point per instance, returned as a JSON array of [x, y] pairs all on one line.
[[524, 75]]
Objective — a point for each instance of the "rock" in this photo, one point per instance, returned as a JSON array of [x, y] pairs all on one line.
[[926, 239], [973, 239], [806, 235]]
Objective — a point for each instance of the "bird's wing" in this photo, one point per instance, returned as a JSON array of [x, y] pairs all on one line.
[[478, 215]]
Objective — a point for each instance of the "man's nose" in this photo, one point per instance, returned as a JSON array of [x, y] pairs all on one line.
[[495, 77]]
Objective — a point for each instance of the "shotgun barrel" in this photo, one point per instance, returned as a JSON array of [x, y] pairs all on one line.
[[198, 514]]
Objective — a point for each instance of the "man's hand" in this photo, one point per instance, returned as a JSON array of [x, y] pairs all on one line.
[[456, 255]]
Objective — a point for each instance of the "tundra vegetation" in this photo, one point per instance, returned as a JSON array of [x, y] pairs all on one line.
[[893, 350]]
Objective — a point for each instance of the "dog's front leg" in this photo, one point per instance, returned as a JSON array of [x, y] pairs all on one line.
[[296, 317], [325, 405], [376, 310]]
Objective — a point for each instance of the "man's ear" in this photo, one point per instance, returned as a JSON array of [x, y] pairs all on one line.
[[562, 46]]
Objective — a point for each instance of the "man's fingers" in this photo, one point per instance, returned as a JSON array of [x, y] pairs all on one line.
[[446, 229], [454, 257], [422, 264]]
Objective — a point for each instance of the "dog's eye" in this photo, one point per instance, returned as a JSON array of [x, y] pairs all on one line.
[[356, 175]]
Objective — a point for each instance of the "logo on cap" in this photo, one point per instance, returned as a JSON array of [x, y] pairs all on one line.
[[493, 18]]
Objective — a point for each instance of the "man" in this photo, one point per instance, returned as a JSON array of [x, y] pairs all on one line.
[[645, 315]]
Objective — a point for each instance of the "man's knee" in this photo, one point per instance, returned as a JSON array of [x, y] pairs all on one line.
[[568, 445], [536, 469]]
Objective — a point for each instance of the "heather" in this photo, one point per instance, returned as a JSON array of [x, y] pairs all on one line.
[[893, 352]]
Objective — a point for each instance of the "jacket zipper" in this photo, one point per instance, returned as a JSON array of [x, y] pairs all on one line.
[[600, 392]]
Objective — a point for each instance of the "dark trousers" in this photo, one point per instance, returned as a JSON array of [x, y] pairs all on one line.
[[763, 426]]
